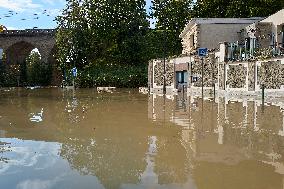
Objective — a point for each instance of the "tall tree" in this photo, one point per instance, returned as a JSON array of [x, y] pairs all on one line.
[[72, 34], [236, 8], [253, 8], [211, 8], [38, 73], [171, 16], [107, 31]]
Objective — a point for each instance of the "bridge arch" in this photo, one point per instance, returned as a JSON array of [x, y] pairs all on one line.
[[18, 44], [18, 52]]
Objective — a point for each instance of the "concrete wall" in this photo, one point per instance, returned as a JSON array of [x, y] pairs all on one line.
[[250, 76], [210, 35], [270, 74], [210, 72], [225, 76], [187, 44], [213, 34], [156, 76], [237, 76]]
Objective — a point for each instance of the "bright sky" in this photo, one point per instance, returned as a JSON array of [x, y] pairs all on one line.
[[27, 14]]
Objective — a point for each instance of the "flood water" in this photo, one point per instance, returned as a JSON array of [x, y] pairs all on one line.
[[55, 139]]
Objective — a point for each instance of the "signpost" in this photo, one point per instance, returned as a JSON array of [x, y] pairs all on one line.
[[74, 72], [202, 52]]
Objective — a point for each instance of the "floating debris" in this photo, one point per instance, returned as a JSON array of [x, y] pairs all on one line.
[[38, 117]]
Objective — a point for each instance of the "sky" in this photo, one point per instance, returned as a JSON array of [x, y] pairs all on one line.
[[27, 14]]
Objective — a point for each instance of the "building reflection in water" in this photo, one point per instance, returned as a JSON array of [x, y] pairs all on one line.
[[114, 142], [227, 135]]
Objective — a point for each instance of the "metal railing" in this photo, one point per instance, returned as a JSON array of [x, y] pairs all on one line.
[[241, 52]]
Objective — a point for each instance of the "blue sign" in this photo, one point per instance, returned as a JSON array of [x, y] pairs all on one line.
[[74, 71], [202, 52]]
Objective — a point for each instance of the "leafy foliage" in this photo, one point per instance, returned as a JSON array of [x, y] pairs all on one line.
[[38, 73], [31, 72], [172, 16], [108, 31], [102, 32], [9, 75], [118, 75], [236, 8]]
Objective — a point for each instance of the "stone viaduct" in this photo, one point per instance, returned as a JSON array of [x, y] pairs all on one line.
[[17, 44]]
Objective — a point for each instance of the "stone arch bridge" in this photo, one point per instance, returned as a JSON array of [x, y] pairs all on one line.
[[17, 44]]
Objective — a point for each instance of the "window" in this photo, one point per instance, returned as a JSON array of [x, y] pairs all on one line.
[[182, 77]]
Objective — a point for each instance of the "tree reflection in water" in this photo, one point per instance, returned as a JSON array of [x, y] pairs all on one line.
[[129, 140]]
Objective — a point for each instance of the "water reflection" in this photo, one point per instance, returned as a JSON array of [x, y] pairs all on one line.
[[129, 140], [228, 136]]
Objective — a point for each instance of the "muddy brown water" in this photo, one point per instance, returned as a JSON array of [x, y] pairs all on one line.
[[55, 139]]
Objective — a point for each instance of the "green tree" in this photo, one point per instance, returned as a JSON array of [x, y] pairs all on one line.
[[38, 73], [72, 35], [253, 8], [171, 17], [102, 31], [236, 8]]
